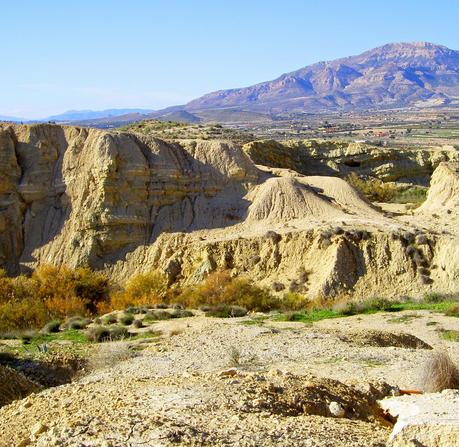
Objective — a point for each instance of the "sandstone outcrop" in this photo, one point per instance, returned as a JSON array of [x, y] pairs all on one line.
[[340, 158], [126, 203]]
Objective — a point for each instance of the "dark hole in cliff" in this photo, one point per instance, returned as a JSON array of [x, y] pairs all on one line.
[[353, 163]]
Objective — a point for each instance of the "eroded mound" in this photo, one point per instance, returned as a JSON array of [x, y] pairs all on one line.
[[246, 409], [443, 195], [291, 395]]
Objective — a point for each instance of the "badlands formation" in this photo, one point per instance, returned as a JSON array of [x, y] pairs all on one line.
[[277, 213], [124, 202]]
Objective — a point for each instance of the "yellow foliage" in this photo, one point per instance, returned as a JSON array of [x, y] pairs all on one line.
[[144, 289], [374, 189], [20, 314], [294, 301], [219, 288]]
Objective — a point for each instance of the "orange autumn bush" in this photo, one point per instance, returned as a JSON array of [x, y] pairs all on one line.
[[51, 292]]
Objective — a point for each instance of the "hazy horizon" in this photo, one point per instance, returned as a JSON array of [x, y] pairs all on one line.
[[151, 55]]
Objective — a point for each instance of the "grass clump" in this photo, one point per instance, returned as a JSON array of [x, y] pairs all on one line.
[[118, 333], [98, 334], [52, 327], [181, 313], [450, 335], [439, 373], [234, 357], [157, 315], [453, 311], [136, 310], [137, 324], [76, 323]]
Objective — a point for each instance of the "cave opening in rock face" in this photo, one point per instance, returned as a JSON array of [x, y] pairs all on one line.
[[353, 163]]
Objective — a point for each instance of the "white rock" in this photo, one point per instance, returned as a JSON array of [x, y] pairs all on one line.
[[429, 419], [336, 409]]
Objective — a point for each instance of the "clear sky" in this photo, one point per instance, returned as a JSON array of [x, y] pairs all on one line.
[[95, 54]]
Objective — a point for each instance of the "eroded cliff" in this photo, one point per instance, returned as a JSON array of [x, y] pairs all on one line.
[[126, 203]]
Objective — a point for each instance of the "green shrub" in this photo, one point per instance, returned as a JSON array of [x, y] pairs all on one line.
[[226, 311], [155, 315], [374, 189], [109, 319], [433, 298], [127, 319], [414, 194]]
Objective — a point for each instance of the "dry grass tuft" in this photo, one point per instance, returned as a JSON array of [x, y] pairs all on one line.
[[439, 373]]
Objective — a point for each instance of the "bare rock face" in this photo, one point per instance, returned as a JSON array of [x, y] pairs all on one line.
[[125, 204], [77, 196]]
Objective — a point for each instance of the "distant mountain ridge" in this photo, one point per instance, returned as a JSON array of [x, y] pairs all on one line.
[[81, 115], [394, 75], [13, 119]]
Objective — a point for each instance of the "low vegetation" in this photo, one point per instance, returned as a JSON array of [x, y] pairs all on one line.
[[220, 289], [39, 302], [376, 190], [49, 293]]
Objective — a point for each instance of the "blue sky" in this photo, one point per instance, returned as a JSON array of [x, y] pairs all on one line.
[[61, 55]]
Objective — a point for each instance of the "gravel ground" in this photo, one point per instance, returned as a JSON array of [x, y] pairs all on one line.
[[173, 392]]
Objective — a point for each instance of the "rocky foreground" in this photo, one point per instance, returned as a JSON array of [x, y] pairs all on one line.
[[239, 382]]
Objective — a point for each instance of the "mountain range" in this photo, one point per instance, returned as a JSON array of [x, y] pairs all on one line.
[[396, 75]]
